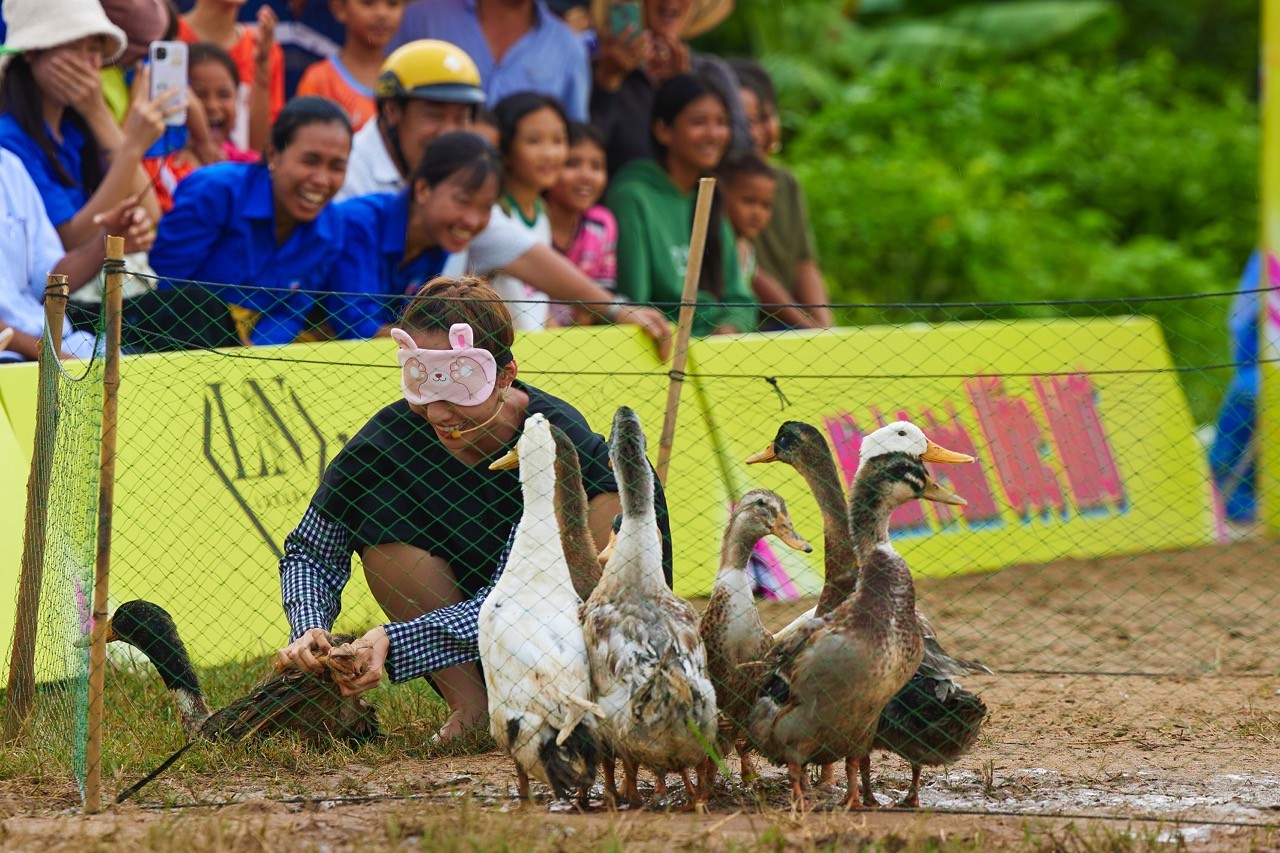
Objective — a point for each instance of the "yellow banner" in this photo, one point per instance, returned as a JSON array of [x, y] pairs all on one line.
[[219, 453], [1269, 240], [1070, 462]]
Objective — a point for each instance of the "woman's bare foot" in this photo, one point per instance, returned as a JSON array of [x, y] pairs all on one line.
[[459, 723]]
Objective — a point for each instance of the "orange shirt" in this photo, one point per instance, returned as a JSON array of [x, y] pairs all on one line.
[[242, 53], [165, 173], [329, 79]]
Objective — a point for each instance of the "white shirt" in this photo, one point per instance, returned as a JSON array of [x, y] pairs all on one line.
[[370, 168], [30, 248], [529, 307]]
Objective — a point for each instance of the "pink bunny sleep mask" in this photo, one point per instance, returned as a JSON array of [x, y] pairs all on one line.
[[463, 375]]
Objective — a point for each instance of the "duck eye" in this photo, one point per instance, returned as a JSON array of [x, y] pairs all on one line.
[[902, 432]]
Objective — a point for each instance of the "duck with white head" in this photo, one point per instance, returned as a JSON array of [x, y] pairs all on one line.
[[828, 682]]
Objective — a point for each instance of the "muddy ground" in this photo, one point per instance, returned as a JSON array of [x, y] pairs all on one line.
[[1178, 742]]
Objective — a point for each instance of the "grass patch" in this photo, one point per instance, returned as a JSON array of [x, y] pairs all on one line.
[[143, 728]]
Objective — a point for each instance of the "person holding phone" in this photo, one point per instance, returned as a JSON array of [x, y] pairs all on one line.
[[631, 66], [56, 121]]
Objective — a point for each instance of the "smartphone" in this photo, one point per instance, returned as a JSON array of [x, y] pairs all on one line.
[[169, 72], [623, 15]]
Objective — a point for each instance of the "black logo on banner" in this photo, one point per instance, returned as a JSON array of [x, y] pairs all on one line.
[[267, 451]]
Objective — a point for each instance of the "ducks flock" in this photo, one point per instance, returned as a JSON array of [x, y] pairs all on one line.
[[615, 665], [585, 667]]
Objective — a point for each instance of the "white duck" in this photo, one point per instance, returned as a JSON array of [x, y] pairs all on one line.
[[531, 643], [648, 664]]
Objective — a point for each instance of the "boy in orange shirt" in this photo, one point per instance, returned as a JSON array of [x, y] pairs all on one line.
[[348, 78], [258, 58]]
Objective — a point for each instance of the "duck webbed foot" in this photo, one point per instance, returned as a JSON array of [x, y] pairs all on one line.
[[522, 786], [610, 781], [748, 771], [795, 772], [826, 777], [864, 773], [851, 801], [912, 799]]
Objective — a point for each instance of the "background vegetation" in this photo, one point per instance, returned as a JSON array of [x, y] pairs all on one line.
[[1037, 149]]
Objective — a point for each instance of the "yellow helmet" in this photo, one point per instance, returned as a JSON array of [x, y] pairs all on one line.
[[432, 70]]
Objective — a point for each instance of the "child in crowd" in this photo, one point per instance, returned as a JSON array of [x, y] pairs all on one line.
[[349, 77], [786, 248], [211, 113], [258, 59], [581, 229], [749, 186], [534, 141], [215, 82]]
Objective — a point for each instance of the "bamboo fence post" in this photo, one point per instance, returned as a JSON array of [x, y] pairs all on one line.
[[111, 304], [21, 688], [684, 323]]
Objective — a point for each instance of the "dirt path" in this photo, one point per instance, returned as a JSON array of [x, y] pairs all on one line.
[[1191, 732]]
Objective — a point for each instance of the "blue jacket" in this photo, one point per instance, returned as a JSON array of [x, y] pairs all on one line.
[[221, 230], [370, 279]]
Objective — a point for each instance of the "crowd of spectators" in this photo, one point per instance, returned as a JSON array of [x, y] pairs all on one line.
[[338, 154]]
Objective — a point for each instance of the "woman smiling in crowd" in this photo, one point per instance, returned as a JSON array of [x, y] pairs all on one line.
[[265, 231]]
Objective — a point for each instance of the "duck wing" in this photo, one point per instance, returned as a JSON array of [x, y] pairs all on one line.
[[937, 661]]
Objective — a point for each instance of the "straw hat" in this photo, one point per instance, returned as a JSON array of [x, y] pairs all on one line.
[[41, 24], [705, 15]]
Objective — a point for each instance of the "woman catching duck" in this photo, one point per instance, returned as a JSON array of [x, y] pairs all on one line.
[[413, 495]]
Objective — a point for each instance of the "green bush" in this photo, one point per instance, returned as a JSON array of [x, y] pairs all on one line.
[[1034, 181]]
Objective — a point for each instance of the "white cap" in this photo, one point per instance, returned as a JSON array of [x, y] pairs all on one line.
[[42, 24]]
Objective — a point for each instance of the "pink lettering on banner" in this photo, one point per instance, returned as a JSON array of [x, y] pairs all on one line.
[[846, 439], [1070, 406], [968, 481], [1016, 445]]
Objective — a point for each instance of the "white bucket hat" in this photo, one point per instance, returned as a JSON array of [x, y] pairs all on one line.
[[41, 24]]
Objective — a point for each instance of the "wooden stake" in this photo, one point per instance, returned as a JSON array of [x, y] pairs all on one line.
[[112, 305], [684, 323], [22, 678]]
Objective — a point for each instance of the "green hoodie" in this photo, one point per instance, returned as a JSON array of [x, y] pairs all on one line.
[[654, 220]]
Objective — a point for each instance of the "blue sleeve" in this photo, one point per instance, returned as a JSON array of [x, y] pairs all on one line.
[[189, 233], [355, 283], [59, 200]]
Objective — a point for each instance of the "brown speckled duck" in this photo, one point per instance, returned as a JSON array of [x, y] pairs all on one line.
[[829, 681], [931, 721], [648, 664], [572, 514], [731, 628]]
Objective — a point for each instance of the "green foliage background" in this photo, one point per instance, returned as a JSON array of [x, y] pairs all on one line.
[[1043, 149]]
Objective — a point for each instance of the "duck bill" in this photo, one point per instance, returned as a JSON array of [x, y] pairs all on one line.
[[766, 455], [87, 640], [783, 530], [934, 491], [935, 453], [607, 551], [507, 462]]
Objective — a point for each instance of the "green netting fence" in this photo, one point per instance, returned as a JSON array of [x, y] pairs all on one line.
[[1128, 624], [69, 433]]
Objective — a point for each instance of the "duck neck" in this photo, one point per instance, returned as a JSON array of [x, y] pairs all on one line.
[[870, 506], [818, 467], [167, 653], [735, 550], [637, 552], [575, 533]]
